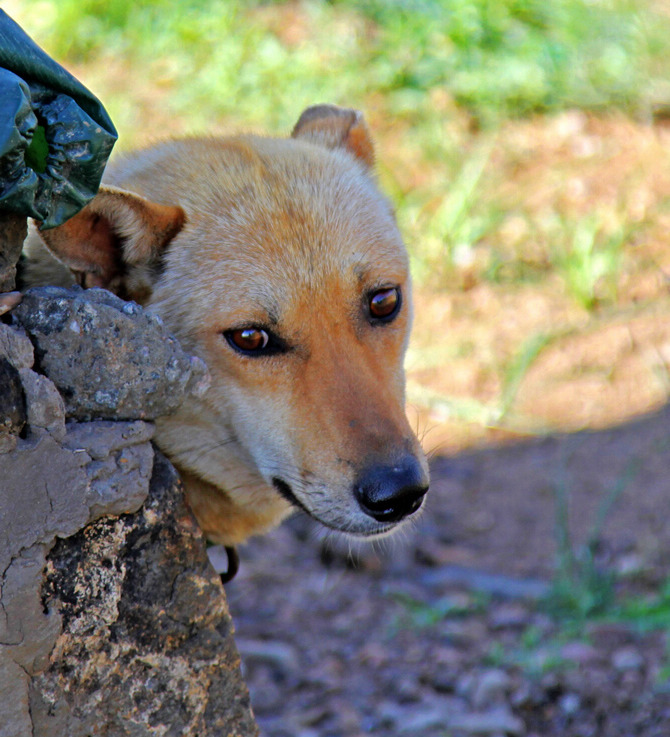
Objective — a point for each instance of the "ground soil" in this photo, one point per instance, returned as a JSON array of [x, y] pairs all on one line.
[[443, 632], [446, 631]]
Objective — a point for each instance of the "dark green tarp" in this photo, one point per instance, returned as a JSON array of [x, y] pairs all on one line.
[[55, 136]]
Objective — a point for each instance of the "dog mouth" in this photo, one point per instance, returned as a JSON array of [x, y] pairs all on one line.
[[287, 492], [372, 524]]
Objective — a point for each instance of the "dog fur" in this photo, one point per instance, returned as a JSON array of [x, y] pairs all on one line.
[[286, 236]]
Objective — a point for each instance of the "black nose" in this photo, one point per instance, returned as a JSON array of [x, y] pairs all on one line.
[[390, 493]]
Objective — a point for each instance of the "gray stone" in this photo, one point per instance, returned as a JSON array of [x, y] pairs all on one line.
[[277, 654], [15, 346], [495, 721], [569, 704], [140, 654], [508, 615], [491, 686], [48, 491], [102, 437], [31, 511], [15, 718], [13, 230], [580, 652], [8, 442], [419, 719], [12, 400], [627, 658], [26, 632], [45, 407], [490, 583], [110, 359], [129, 633]]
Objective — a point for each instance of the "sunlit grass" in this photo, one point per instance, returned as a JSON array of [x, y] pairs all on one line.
[[416, 67], [259, 61], [587, 252]]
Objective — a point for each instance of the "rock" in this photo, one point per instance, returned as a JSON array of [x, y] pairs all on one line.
[[490, 583], [8, 442], [15, 346], [108, 358], [407, 689], [631, 564], [13, 415], [508, 616], [13, 230], [267, 693], [44, 404], [49, 491], [112, 621], [627, 658], [146, 645], [278, 654], [490, 686], [44, 494], [494, 722], [580, 652], [419, 719], [569, 704], [9, 300]]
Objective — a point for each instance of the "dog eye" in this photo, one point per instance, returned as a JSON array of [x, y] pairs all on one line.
[[385, 303], [248, 340]]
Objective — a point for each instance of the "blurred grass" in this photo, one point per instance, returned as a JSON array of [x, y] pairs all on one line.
[[439, 69], [496, 58]]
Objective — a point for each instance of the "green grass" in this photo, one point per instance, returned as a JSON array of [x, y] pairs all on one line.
[[513, 57], [588, 253], [452, 221], [496, 58], [582, 589]]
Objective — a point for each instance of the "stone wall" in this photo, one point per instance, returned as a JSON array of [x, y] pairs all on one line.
[[112, 620]]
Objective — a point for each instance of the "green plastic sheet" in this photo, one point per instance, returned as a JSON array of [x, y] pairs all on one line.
[[55, 135]]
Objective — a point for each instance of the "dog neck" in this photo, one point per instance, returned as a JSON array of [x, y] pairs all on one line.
[[225, 522]]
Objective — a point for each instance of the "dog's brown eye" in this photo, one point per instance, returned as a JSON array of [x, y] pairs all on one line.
[[385, 303], [248, 340]]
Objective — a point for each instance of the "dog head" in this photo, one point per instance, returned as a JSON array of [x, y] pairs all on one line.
[[279, 263]]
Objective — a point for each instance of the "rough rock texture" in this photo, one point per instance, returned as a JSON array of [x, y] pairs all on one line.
[[108, 358], [12, 404], [144, 616], [13, 230], [112, 621]]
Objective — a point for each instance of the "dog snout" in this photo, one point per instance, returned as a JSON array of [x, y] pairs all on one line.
[[389, 493]]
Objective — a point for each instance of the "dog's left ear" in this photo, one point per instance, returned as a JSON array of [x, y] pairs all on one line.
[[115, 232], [337, 127]]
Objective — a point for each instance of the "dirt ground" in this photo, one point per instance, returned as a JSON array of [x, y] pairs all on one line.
[[443, 632]]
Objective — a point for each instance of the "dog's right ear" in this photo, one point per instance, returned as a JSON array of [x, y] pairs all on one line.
[[337, 127], [116, 231]]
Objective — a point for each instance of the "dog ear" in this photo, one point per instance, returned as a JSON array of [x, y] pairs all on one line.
[[116, 231], [336, 127]]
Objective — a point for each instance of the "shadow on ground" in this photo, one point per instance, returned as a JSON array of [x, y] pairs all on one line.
[[444, 632]]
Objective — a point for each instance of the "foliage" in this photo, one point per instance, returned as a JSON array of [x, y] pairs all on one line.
[[494, 57], [589, 257], [581, 589], [512, 57]]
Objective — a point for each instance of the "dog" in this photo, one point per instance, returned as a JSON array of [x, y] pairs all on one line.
[[279, 263]]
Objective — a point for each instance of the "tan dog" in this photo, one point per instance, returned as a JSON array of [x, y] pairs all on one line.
[[279, 263]]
